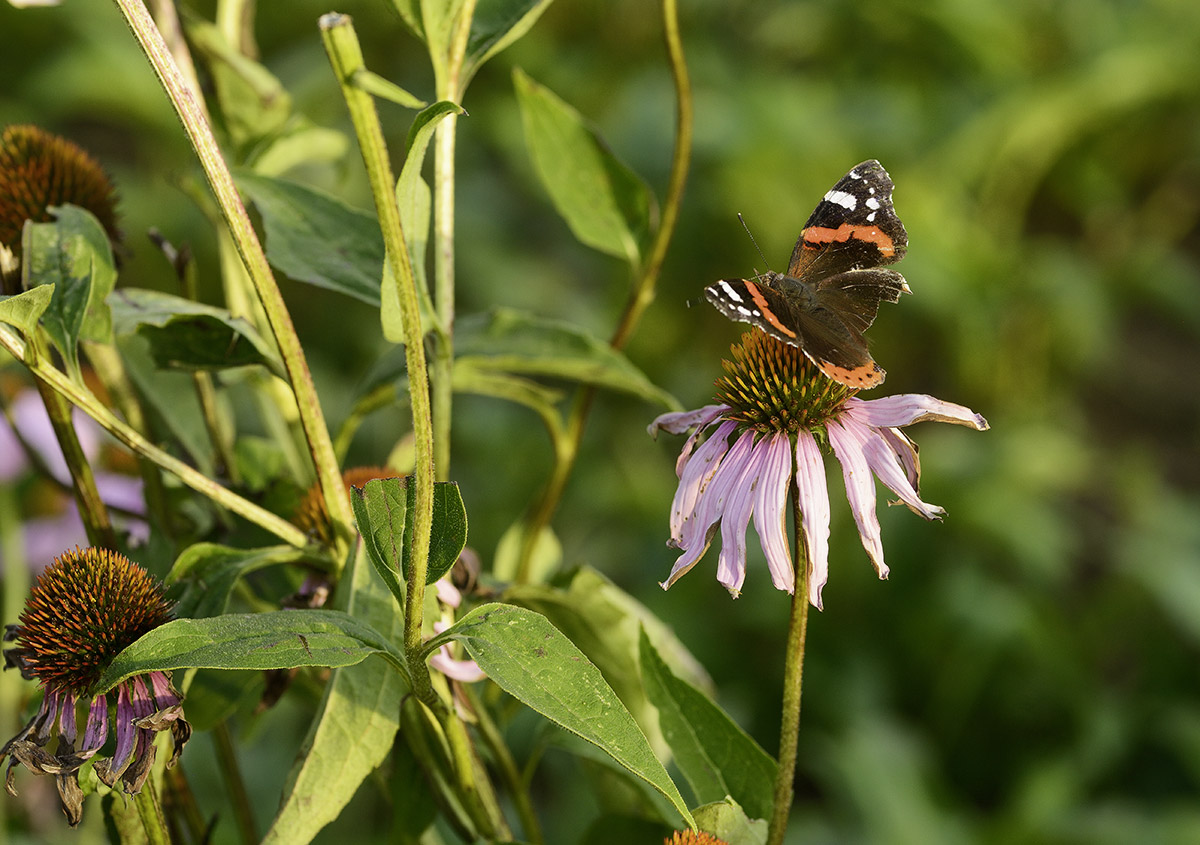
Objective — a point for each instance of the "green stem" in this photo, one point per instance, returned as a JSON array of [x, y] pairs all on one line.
[[639, 298], [345, 54], [150, 812], [793, 682], [337, 501], [517, 787], [198, 481], [231, 773], [91, 508]]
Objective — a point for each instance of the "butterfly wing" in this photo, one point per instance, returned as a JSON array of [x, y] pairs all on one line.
[[854, 226]]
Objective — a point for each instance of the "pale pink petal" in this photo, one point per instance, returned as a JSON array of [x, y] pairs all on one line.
[[770, 513], [860, 492], [447, 593], [886, 465], [710, 507], [909, 408], [695, 478], [731, 563], [711, 413], [677, 422], [908, 453], [466, 671], [813, 492]]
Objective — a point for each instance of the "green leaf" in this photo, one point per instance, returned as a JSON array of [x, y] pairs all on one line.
[[316, 238], [415, 202], [279, 640], [532, 661], [354, 726], [384, 509], [25, 309], [253, 102], [73, 254], [547, 554], [727, 821], [208, 573], [300, 142], [604, 202], [496, 25], [514, 342], [716, 756], [187, 335], [385, 89], [544, 400], [606, 624]]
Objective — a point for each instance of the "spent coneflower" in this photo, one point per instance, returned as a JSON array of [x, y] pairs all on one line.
[[310, 515], [82, 612], [781, 409]]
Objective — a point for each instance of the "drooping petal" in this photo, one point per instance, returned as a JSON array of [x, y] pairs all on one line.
[[109, 770], [908, 453], [885, 463], [447, 593], [770, 514], [677, 422], [908, 408], [96, 731], [66, 719], [731, 563], [813, 493], [696, 477], [860, 492], [466, 671], [710, 507], [711, 414]]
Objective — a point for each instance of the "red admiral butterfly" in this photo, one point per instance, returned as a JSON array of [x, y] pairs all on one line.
[[833, 285]]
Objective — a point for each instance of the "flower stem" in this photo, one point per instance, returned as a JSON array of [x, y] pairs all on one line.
[[234, 783], [639, 298], [345, 54], [517, 787], [337, 501], [84, 400], [150, 812], [793, 681]]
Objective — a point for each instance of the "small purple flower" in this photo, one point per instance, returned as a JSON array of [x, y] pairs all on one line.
[[777, 411], [87, 607]]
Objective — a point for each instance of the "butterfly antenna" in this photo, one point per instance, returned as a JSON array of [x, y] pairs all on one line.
[[742, 220]]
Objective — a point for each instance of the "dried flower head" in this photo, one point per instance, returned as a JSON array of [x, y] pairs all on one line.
[[87, 607], [310, 515]]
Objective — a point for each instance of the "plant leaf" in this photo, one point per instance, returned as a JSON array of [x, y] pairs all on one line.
[[72, 253], [385, 89], [25, 309], [727, 821], [496, 25], [532, 661], [604, 202], [716, 756], [316, 238], [514, 342], [415, 202], [208, 572], [187, 335], [278, 640], [354, 726]]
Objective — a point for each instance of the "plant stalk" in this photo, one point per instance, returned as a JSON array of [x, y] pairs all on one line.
[[793, 682]]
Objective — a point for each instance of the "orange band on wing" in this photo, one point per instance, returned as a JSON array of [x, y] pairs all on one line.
[[870, 234], [765, 309]]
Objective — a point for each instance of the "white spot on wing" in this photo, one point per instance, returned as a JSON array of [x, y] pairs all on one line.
[[845, 200], [730, 292], [872, 203], [871, 217]]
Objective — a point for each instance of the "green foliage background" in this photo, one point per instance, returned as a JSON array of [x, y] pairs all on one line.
[[1029, 673]]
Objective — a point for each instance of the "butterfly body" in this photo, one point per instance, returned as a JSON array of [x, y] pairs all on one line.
[[834, 281]]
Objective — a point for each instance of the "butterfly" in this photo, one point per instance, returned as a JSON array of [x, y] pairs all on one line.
[[834, 281]]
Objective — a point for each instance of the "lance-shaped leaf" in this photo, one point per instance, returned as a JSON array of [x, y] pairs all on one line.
[[604, 202], [208, 572], [414, 201], [510, 341], [384, 509], [187, 335], [72, 253], [496, 25], [354, 726], [25, 309], [531, 660], [716, 756], [315, 238], [279, 640]]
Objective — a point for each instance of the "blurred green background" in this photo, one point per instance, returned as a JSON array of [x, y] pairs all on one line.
[[1030, 671]]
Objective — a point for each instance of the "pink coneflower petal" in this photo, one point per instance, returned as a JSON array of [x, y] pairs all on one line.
[[770, 513], [466, 671], [886, 465], [907, 452], [447, 593], [813, 492], [739, 503], [677, 422], [860, 492], [96, 731], [696, 477], [908, 408]]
